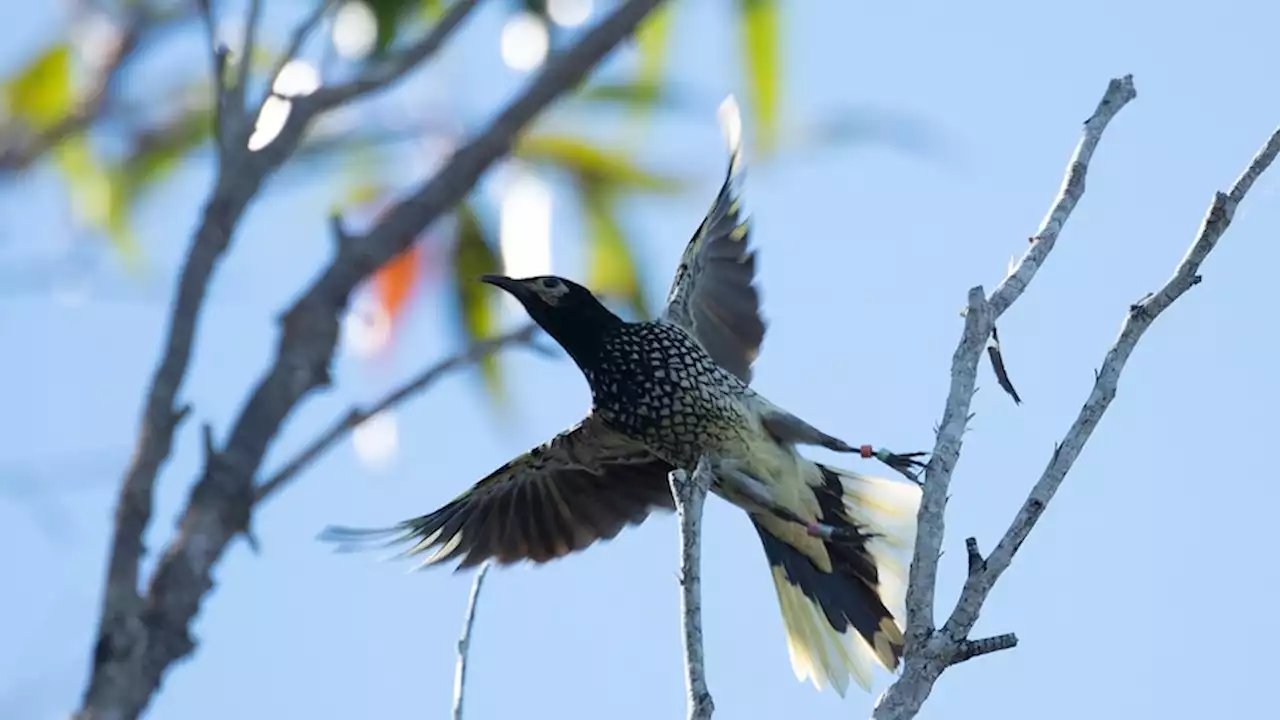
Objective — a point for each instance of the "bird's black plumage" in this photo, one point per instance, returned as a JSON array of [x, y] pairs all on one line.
[[665, 393]]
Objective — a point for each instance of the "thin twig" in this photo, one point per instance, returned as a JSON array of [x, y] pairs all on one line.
[[392, 69], [420, 382], [690, 493], [923, 660], [464, 642], [244, 63], [1139, 318], [980, 317], [297, 39]]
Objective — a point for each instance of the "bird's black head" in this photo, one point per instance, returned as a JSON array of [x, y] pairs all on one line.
[[568, 312]]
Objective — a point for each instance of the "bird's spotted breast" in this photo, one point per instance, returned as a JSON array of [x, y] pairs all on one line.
[[656, 384]]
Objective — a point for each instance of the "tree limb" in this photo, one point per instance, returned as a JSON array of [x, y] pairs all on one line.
[[392, 69], [929, 653], [340, 427], [298, 38], [244, 64], [141, 637], [464, 642], [690, 493], [980, 317], [923, 661]]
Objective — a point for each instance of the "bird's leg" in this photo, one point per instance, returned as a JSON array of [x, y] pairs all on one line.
[[737, 485], [740, 485], [786, 427], [906, 463]]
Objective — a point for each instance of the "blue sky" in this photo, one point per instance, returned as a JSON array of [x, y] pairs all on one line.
[[1143, 590]]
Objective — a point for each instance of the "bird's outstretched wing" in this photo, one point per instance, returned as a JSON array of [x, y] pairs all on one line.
[[712, 296], [585, 484]]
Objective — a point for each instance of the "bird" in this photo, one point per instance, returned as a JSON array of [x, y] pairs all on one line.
[[665, 393]]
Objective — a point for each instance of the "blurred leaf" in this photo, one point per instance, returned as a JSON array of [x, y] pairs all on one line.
[[41, 93], [761, 35], [396, 280], [432, 10], [158, 152], [533, 7], [639, 94], [870, 126], [101, 197], [593, 164], [365, 193], [389, 15], [611, 267], [651, 40], [478, 307]]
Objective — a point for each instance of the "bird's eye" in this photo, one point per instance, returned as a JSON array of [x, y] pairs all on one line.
[[552, 284]]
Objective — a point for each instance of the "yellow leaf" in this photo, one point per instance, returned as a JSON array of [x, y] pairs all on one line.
[[611, 268], [432, 10], [478, 307], [761, 35], [594, 164], [41, 93], [651, 40], [100, 198]]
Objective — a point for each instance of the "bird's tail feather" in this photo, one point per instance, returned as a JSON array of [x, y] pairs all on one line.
[[844, 622]]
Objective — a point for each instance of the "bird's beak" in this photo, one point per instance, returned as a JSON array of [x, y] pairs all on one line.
[[511, 285]]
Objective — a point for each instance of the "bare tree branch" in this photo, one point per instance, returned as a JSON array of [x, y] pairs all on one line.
[[244, 63], [389, 71], [980, 317], [140, 637], [689, 494], [464, 642], [355, 416], [929, 653], [299, 38]]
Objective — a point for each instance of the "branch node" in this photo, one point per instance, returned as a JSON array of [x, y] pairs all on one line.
[[976, 563], [338, 228], [970, 649], [210, 452], [221, 55]]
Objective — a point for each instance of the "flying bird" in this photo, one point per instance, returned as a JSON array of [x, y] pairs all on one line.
[[665, 393]]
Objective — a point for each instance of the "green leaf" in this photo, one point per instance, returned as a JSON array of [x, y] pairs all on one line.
[[389, 14], [101, 197], [478, 307], [159, 151], [432, 10], [41, 93], [639, 94], [651, 40], [761, 35], [593, 164], [611, 267]]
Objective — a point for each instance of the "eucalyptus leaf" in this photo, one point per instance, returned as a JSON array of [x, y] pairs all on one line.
[[592, 163], [761, 36], [41, 93], [611, 267], [478, 306]]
